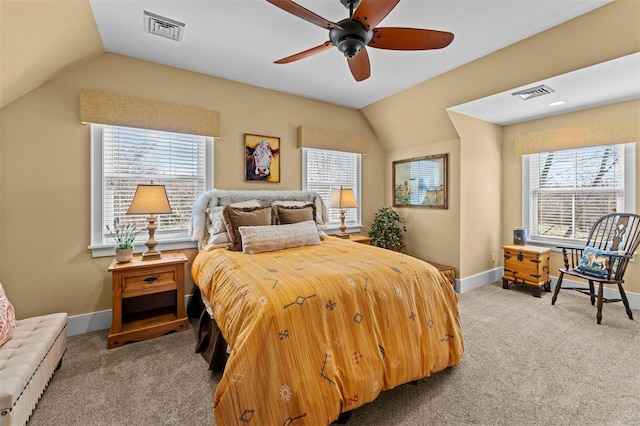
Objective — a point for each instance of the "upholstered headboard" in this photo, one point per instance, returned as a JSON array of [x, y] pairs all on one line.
[[221, 197]]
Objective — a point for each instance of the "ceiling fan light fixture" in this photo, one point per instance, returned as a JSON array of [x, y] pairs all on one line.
[[350, 46], [351, 38]]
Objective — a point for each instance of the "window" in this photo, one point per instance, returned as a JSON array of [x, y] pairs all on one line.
[[324, 170], [564, 192], [123, 157]]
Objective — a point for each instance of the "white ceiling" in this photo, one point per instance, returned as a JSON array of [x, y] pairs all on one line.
[[613, 81], [239, 40]]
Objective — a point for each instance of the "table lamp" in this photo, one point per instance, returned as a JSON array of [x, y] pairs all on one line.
[[150, 199], [342, 198]]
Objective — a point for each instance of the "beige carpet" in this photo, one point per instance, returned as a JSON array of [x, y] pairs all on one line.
[[525, 363]]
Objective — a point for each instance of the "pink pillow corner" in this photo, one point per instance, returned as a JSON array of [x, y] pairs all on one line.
[[7, 318]]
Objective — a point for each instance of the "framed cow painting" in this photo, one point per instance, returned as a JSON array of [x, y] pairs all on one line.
[[262, 158]]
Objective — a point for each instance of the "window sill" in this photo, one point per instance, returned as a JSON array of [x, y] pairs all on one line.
[[177, 244], [334, 229]]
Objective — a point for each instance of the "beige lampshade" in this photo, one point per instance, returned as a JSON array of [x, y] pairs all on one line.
[[342, 198], [150, 199]]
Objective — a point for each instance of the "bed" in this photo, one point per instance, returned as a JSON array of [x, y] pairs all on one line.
[[318, 329]]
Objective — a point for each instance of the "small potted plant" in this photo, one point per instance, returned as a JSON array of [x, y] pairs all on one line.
[[124, 236], [387, 230]]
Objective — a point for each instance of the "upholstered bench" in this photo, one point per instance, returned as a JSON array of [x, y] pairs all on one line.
[[27, 363]]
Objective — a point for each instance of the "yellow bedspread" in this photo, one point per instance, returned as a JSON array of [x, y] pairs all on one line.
[[318, 330]]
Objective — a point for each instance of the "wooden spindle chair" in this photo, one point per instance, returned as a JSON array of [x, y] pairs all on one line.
[[611, 244]]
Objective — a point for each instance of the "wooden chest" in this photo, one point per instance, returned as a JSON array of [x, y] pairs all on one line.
[[527, 265]]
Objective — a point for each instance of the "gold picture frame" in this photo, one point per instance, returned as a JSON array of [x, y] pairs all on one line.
[[421, 182]]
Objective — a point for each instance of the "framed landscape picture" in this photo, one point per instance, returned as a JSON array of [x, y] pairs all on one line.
[[421, 182], [262, 158]]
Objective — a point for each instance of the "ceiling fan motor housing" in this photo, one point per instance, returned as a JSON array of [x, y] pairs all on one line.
[[351, 38]]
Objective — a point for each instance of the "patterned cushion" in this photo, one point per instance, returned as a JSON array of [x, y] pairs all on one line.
[[595, 262], [7, 317], [235, 217], [259, 239]]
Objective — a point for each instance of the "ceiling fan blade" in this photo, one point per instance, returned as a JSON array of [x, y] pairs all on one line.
[[301, 12], [360, 66], [324, 46], [371, 12], [409, 39]]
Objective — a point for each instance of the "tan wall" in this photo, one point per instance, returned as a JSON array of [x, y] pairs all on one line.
[[480, 193], [46, 171], [512, 173], [413, 120], [432, 234]]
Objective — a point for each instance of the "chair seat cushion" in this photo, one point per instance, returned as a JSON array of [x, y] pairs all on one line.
[[595, 262]]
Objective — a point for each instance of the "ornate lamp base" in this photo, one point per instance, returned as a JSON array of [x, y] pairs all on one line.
[[151, 253]]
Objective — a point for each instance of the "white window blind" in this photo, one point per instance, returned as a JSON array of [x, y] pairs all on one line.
[[569, 190], [131, 156], [325, 170]]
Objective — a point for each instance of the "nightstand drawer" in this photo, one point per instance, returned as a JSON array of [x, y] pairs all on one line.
[[149, 280]]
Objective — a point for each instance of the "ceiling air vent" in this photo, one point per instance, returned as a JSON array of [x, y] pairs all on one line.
[[534, 92], [162, 26]]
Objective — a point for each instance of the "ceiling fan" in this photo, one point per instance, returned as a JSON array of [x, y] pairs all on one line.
[[352, 35]]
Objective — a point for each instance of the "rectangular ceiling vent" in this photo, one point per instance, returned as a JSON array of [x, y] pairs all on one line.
[[534, 92], [165, 27]]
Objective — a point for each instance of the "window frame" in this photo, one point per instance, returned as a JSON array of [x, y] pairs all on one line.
[[629, 196], [334, 227], [170, 242]]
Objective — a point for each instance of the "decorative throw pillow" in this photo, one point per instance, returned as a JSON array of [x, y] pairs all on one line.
[[260, 239], [217, 233], [295, 214], [595, 262], [235, 217], [7, 317]]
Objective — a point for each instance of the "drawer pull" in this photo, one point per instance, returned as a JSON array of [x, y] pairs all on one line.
[[150, 279]]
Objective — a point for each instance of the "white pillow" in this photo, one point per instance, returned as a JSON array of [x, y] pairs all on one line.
[[216, 219], [259, 239], [290, 203], [248, 203]]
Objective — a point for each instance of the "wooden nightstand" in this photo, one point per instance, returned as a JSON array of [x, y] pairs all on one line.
[[362, 239], [148, 298], [528, 265], [447, 271]]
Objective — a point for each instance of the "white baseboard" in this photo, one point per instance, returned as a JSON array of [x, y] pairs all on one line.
[[85, 323], [478, 280], [94, 321]]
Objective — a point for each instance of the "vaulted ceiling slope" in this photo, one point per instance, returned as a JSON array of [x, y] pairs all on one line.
[[39, 39]]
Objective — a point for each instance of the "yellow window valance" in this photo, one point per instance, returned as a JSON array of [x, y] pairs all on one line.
[[118, 110], [622, 130], [310, 137]]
